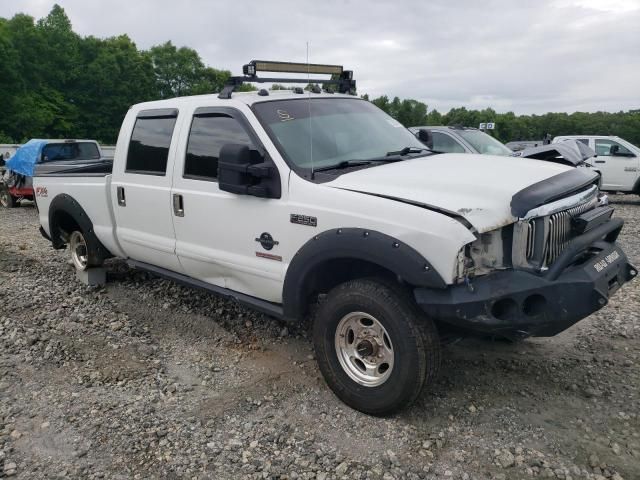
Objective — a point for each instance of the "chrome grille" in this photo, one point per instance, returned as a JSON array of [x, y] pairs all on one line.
[[559, 231]]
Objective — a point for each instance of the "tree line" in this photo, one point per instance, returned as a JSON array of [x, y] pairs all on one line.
[[55, 83]]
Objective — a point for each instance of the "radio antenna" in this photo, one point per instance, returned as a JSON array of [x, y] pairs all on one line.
[[309, 105]]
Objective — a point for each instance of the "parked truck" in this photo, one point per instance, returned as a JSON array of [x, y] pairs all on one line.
[[16, 179], [288, 199]]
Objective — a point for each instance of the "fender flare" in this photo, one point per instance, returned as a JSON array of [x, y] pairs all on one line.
[[357, 244], [68, 205]]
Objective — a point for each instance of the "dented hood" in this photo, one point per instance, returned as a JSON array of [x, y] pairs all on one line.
[[476, 187]]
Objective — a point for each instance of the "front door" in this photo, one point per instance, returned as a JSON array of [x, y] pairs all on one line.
[[617, 164], [141, 190], [218, 234]]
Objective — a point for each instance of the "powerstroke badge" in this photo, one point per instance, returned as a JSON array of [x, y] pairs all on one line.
[[267, 241]]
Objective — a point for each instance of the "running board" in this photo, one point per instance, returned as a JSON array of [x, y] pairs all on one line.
[[262, 306]]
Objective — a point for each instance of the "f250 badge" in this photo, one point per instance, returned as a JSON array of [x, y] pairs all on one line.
[[41, 192]]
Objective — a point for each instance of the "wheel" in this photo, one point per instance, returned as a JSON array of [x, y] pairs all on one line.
[[375, 348], [6, 199], [79, 251]]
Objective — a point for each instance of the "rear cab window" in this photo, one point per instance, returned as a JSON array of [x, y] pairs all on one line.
[[150, 141], [53, 152]]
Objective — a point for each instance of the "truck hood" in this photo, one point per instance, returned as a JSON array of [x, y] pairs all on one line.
[[476, 187]]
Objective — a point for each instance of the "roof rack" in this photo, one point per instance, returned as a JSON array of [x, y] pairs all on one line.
[[340, 77]]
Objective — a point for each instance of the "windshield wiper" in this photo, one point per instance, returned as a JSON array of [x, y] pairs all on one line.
[[407, 151], [388, 158], [357, 163]]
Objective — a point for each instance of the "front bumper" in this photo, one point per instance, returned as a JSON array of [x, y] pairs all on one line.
[[518, 304]]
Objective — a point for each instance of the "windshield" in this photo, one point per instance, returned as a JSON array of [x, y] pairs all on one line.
[[484, 143], [328, 131], [70, 151]]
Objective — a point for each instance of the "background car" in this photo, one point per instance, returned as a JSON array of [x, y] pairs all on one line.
[[459, 139]]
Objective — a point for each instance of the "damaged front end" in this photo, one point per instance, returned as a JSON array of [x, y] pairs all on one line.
[[554, 266]]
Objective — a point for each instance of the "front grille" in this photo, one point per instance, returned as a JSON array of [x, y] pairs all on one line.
[[554, 231]]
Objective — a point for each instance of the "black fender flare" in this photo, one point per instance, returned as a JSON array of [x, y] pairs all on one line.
[[358, 244], [68, 205]]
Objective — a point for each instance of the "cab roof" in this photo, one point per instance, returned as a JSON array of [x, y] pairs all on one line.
[[242, 98]]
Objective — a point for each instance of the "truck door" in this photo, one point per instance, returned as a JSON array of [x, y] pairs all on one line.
[[617, 164], [141, 188], [218, 233]]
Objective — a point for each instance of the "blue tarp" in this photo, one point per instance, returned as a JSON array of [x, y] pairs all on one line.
[[26, 157]]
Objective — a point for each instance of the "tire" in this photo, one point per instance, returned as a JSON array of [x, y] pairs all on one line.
[[6, 199], [84, 251], [348, 339]]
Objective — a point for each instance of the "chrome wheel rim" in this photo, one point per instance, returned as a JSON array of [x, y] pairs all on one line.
[[364, 349], [78, 248]]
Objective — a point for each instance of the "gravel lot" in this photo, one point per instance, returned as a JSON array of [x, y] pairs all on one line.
[[147, 379]]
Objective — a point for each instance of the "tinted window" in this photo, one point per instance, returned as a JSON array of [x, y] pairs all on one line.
[[149, 146], [70, 151], [603, 147], [445, 144], [584, 140], [207, 136]]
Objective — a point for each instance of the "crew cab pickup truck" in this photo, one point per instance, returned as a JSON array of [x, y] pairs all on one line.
[[287, 199], [618, 161]]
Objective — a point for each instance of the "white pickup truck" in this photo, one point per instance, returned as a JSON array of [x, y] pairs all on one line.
[[281, 199], [618, 161]]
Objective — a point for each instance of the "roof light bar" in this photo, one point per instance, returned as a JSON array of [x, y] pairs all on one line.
[[343, 79], [288, 67]]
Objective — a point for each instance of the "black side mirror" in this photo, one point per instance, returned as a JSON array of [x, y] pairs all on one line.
[[245, 171], [426, 137]]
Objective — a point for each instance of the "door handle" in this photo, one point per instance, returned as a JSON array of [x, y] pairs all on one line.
[[122, 201], [178, 205], [600, 161]]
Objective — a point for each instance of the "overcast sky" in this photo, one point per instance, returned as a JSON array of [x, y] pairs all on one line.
[[525, 56]]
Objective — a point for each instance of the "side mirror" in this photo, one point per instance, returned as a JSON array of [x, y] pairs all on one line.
[[246, 172], [426, 137]]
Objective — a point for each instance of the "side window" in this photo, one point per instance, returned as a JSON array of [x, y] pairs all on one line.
[[207, 136], [149, 145], [603, 147], [445, 144]]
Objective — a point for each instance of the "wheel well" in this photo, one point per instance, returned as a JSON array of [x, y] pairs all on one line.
[[64, 223], [333, 272]]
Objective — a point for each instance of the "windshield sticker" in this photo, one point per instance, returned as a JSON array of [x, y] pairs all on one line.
[[394, 123], [284, 115]]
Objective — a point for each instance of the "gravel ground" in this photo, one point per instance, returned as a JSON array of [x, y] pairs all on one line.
[[147, 379]]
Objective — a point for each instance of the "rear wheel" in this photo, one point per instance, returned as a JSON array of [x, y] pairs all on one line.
[[375, 348], [79, 251], [6, 199], [85, 250]]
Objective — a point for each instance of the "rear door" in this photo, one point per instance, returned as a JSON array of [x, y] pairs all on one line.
[[619, 169], [141, 188]]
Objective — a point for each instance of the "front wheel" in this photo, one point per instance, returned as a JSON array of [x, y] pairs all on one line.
[[6, 199], [375, 348]]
